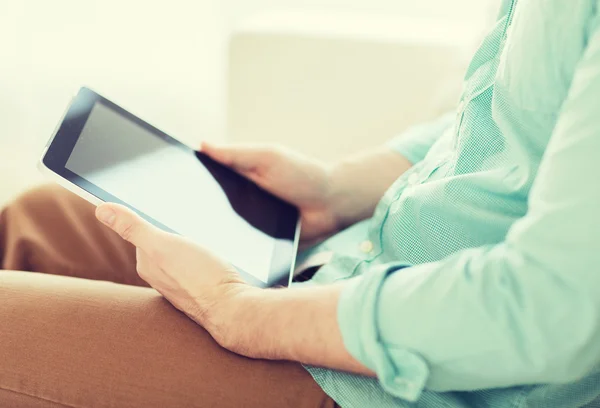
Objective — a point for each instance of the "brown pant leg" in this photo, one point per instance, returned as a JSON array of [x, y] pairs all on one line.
[[69, 342], [51, 230], [79, 343]]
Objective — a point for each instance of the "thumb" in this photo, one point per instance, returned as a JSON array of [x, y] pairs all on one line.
[[242, 158], [130, 226]]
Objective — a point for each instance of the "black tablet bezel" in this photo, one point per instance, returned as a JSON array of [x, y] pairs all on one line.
[[62, 144]]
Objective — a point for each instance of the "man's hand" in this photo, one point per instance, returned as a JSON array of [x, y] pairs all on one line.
[[329, 198], [194, 280], [291, 177], [279, 324]]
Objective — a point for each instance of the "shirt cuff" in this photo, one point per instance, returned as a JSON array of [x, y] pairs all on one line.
[[401, 372]]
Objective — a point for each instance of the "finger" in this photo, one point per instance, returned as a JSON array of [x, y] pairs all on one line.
[[242, 158], [131, 227]]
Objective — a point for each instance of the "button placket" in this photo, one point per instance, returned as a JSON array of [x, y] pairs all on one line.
[[459, 120]]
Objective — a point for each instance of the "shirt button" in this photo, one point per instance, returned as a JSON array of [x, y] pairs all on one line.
[[366, 247], [413, 179]]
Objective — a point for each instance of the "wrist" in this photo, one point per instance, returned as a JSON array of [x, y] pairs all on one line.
[[331, 197], [226, 321], [339, 199], [248, 323]]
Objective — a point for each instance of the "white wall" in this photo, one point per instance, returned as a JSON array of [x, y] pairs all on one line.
[[163, 59], [455, 9]]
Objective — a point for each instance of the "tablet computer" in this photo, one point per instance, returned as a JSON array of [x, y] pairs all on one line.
[[103, 153]]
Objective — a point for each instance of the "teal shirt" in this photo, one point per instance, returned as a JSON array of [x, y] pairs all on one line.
[[476, 283]]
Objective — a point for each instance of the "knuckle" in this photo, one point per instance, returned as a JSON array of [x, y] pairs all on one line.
[[126, 232], [157, 256], [272, 154]]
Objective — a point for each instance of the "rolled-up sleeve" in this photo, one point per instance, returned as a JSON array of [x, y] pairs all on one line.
[[417, 140], [525, 311]]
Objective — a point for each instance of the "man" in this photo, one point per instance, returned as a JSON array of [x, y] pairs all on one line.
[[473, 282]]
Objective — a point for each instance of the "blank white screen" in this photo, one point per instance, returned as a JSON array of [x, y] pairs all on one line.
[[169, 185]]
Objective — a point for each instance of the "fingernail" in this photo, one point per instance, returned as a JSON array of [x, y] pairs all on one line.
[[106, 215]]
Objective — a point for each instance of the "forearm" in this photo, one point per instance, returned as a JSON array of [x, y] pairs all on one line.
[[297, 324], [358, 183]]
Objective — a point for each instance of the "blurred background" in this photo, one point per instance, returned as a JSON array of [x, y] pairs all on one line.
[[327, 77]]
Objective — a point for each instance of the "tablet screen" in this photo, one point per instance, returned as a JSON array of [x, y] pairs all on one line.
[[182, 191]]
